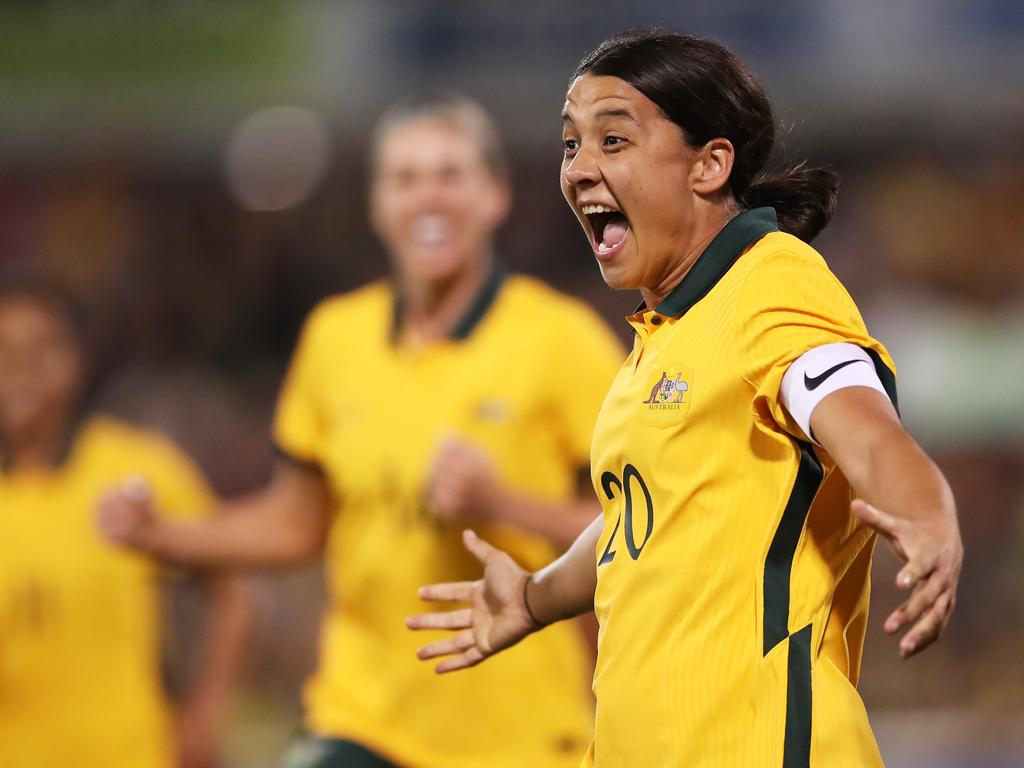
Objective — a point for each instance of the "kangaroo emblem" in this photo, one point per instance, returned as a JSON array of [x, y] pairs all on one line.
[[666, 389]]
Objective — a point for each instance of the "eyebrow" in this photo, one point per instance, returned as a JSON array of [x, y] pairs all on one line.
[[620, 112]]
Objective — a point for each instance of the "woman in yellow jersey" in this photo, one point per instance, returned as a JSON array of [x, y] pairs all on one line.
[[453, 393], [730, 568], [80, 675]]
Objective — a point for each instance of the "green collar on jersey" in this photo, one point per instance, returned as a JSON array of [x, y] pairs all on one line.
[[735, 237], [474, 314]]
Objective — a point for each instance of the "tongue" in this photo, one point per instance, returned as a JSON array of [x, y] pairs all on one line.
[[614, 231]]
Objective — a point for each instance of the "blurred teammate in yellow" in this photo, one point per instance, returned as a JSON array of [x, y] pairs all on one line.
[[453, 392], [80, 623]]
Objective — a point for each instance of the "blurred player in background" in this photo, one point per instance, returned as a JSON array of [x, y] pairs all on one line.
[[80, 622], [453, 393], [730, 571]]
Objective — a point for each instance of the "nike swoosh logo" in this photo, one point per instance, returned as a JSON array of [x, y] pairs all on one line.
[[817, 381]]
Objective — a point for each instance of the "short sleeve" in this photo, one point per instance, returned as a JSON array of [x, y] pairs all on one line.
[[298, 429], [791, 303], [580, 372]]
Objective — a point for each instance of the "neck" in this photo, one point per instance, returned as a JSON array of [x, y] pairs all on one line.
[[38, 447], [432, 309], [708, 224]]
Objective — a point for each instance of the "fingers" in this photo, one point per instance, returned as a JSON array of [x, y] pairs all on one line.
[[447, 500], [136, 489], [913, 573], [927, 630], [462, 483], [470, 658], [928, 609], [479, 548], [455, 644], [461, 619], [922, 599], [119, 517], [452, 592]]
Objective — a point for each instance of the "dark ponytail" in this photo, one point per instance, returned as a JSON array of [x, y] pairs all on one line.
[[804, 198], [709, 93]]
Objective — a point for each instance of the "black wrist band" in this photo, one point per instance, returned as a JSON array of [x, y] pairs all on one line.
[[526, 604]]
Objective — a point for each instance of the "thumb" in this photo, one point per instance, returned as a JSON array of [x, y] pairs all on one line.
[[874, 517], [479, 548]]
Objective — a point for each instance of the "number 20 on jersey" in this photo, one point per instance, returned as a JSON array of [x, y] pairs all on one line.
[[630, 487]]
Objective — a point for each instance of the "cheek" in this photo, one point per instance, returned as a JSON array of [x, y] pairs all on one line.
[[59, 373], [564, 184], [663, 210], [380, 213]]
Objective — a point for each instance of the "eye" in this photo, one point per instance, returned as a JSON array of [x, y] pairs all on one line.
[[570, 146], [614, 141]]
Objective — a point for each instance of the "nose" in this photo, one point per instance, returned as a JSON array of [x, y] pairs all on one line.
[[582, 170]]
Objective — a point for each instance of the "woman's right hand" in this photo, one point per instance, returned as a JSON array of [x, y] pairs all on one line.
[[496, 619]]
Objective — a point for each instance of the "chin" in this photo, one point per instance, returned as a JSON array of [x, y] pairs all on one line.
[[432, 266], [617, 277]]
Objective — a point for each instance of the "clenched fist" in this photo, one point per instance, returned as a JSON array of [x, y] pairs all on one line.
[[462, 485], [126, 516]]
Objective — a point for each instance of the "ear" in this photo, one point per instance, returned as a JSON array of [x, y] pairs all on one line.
[[711, 169]]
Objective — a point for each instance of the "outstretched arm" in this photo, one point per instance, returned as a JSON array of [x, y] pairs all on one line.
[[508, 603], [905, 498], [283, 524]]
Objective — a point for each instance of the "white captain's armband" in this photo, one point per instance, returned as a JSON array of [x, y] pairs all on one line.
[[819, 372]]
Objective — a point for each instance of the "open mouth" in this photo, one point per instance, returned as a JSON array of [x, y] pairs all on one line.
[[431, 229], [608, 226]]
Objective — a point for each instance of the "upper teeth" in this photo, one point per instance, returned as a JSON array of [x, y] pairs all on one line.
[[589, 209], [430, 229]]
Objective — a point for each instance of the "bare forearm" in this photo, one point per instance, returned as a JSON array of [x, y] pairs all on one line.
[[883, 463], [897, 475], [885, 466], [248, 533], [565, 588], [281, 525], [559, 522], [227, 623]]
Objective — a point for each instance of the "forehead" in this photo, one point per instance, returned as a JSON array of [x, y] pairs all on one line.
[[592, 97], [428, 139]]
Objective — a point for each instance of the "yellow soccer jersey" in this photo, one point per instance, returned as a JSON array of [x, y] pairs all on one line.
[[732, 578], [522, 377], [79, 620]]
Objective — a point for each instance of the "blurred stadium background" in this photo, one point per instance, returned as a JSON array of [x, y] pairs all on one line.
[[196, 172]]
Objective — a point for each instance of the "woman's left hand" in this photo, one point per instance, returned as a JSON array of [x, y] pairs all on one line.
[[933, 554]]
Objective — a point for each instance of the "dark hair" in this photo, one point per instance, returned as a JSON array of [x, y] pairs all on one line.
[[709, 93], [451, 107]]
